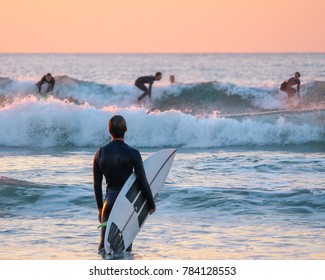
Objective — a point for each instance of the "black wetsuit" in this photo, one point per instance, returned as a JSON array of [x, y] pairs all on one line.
[[50, 83], [116, 162], [140, 83]]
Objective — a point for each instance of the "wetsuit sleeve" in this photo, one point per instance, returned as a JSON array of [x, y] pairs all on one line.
[[298, 86], [142, 178], [52, 83], [149, 89], [151, 80], [98, 179], [39, 84]]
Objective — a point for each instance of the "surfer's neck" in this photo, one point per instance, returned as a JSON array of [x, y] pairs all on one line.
[[117, 139]]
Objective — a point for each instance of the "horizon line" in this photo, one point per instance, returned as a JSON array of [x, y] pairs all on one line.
[[168, 53]]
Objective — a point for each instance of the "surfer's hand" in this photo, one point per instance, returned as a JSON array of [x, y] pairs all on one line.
[[152, 210]]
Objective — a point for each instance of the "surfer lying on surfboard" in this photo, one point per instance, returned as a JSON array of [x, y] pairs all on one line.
[[116, 161]]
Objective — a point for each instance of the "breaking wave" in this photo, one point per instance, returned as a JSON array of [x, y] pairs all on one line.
[[200, 115]]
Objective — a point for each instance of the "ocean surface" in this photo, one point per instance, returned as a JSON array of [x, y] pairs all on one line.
[[247, 181]]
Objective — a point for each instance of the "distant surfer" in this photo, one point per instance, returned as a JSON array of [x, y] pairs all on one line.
[[172, 79], [49, 80], [141, 81], [116, 161], [288, 86]]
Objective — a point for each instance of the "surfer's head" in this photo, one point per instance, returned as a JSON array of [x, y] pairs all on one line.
[[48, 77], [158, 76], [297, 75], [117, 126]]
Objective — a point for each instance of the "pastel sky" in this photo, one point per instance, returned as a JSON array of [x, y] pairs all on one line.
[[162, 26]]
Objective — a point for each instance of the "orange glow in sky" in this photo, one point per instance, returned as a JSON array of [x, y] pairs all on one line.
[[162, 26]]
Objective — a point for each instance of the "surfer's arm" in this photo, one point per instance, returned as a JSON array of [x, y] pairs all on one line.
[[98, 179], [149, 90], [39, 84], [143, 182], [52, 83]]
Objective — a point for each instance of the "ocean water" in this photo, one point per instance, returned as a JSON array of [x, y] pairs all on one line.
[[248, 177]]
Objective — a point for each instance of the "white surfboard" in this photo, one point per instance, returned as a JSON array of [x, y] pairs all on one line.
[[131, 209]]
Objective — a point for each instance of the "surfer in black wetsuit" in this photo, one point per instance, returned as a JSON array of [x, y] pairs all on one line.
[[116, 161], [288, 86], [46, 79], [140, 83]]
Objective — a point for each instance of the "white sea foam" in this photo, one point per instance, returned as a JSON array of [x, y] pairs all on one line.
[[53, 122]]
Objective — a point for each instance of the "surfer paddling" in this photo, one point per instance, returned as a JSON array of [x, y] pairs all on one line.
[[288, 86], [46, 79], [141, 81], [116, 162]]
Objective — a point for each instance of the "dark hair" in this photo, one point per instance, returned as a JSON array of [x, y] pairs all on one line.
[[297, 73], [158, 74], [117, 126]]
